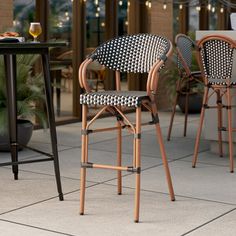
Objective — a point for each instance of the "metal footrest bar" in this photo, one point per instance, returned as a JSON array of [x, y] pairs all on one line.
[[122, 168], [222, 129], [25, 162], [38, 151]]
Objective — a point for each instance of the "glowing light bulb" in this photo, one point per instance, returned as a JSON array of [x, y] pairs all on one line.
[[198, 8], [209, 6], [120, 3], [164, 6], [180, 6], [149, 4]]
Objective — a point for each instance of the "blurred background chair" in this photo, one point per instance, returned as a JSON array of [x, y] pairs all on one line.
[[96, 76], [137, 54], [185, 49], [216, 54], [61, 71]]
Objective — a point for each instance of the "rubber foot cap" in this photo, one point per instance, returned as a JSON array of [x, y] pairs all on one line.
[[61, 197]]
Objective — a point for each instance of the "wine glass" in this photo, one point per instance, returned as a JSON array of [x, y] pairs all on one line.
[[35, 30]]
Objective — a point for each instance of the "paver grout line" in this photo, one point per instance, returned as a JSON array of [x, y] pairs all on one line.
[[177, 195], [204, 163], [48, 199], [45, 174], [36, 227], [208, 222], [149, 156]]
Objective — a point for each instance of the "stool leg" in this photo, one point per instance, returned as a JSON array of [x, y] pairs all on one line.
[[84, 158], [58, 91], [51, 120], [138, 163], [10, 65], [230, 130], [219, 113], [163, 152], [195, 154], [165, 162], [186, 114], [119, 162], [172, 117]]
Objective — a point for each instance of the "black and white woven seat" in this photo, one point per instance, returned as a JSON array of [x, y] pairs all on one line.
[[141, 53], [114, 98], [185, 47], [216, 55]]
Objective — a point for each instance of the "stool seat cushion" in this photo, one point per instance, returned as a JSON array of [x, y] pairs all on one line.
[[114, 98]]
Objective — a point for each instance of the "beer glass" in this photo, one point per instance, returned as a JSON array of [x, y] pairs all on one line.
[[35, 30]]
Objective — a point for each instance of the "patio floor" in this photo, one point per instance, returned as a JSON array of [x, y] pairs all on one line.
[[205, 196]]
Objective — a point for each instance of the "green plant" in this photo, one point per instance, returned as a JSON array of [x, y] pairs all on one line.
[[172, 75], [29, 91]]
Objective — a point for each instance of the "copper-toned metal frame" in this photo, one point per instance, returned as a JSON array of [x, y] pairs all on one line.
[[185, 77], [124, 122], [220, 91]]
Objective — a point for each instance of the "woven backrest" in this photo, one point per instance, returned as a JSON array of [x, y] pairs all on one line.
[[185, 47], [217, 57], [132, 53]]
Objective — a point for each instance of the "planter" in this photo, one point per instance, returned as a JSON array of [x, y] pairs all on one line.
[[194, 104], [24, 130]]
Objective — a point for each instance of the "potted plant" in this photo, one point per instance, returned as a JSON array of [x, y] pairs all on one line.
[[195, 87], [29, 91]]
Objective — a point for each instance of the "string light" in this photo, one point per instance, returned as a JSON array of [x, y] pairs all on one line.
[[205, 3], [221, 10], [213, 9], [180, 6], [164, 6], [198, 8], [120, 3], [209, 6], [150, 4], [147, 3]]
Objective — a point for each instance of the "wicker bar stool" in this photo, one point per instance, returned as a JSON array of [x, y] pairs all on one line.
[[216, 55], [133, 53], [185, 47]]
